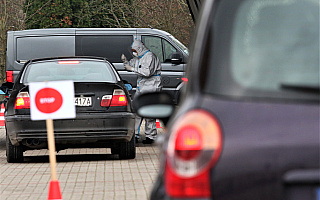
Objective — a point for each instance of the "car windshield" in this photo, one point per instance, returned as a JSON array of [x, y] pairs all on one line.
[[75, 70], [177, 42], [265, 49]]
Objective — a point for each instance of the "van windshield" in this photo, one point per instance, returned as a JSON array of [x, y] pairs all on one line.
[[75, 70], [266, 49]]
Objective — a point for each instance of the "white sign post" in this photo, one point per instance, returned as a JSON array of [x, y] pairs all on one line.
[[52, 100]]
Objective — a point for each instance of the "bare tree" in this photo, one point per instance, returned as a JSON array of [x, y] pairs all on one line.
[[3, 36], [172, 16], [11, 18]]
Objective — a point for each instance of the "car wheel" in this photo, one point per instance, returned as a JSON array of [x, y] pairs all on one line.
[[14, 153], [128, 149]]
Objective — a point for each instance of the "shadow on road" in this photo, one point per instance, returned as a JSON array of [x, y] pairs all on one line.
[[70, 158]]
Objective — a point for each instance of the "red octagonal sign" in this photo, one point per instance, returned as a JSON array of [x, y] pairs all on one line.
[[48, 100]]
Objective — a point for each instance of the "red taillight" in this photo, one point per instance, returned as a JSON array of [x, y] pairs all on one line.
[[119, 98], [188, 143], [193, 149], [184, 80], [194, 187], [106, 100], [68, 62], [10, 76], [22, 101]]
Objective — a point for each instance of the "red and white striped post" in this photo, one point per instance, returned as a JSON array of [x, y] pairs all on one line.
[[2, 115]]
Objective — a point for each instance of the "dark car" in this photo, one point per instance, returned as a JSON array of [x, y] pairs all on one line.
[[104, 117], [248, 127]]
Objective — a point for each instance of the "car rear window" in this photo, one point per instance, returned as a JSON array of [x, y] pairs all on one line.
[[265, 49], [75, 70]]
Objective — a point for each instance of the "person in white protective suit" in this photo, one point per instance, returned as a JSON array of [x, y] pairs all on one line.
[[147, 66]]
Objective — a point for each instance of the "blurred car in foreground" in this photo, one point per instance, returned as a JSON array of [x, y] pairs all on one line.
[[248, 127], [104, 116]]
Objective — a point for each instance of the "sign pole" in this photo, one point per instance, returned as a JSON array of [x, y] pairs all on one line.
[[52, 150], [54, 186]]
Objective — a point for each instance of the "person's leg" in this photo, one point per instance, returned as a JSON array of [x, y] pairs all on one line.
[[150, 131], [138, 122]]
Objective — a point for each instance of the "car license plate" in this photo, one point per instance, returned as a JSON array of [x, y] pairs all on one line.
[[82, 101]]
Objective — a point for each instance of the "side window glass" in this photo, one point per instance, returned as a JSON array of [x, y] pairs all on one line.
[[37, 47], [168, 50], [108, 46], [154, 44]]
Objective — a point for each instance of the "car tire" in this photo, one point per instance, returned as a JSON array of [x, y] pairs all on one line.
[[14, 153], [128, 149]]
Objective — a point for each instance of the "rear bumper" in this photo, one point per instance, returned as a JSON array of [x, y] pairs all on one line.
[[85, 128]]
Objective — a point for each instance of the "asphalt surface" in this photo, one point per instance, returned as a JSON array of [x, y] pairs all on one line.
[[83, 174]]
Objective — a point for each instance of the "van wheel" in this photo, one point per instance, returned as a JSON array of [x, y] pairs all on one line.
[[128, 149], [14, 153]]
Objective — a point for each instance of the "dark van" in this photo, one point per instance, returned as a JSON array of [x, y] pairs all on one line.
[[102, 42]]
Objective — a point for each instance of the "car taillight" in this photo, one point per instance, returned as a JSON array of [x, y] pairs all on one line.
[[22, 101], [188, 143], [185, 80], [9, 76], [194, 147], [119, 98], [106, 100]]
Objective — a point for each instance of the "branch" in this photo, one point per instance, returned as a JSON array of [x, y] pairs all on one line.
[[114, 15], [38, 10]]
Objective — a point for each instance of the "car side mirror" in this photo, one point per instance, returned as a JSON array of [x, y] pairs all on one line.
[[154, 105], [176, 58]]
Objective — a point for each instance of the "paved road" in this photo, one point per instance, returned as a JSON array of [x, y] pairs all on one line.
[[84, 174]]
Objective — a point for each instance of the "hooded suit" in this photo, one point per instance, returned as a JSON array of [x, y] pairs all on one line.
[[148, 68]]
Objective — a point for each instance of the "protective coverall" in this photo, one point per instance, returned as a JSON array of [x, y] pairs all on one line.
[[147, 66]]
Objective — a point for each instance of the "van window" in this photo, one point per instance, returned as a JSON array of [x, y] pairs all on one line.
[[110, 47], [41, 47], [154, 44], [168, 50]]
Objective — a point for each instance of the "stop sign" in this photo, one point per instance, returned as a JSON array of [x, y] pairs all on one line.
[[52, 100], [48, 100]]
